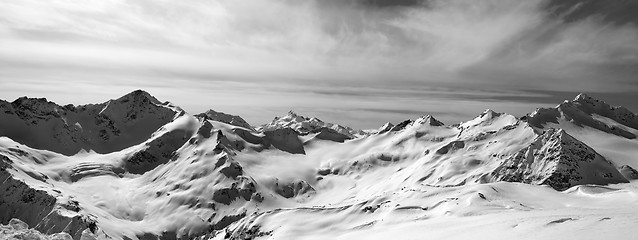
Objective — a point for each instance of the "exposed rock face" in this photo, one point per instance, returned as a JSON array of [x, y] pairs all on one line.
[[285, 139], [454, 145], [225, 118], [385, 128], [330, 135], [560, 161], [105, 127], [400, 126], [581, 111], [293, 189]]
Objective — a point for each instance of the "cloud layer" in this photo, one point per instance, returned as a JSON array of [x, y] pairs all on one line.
[[361, 62]]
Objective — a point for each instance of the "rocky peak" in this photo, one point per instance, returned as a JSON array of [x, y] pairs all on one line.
[[489, 114], [225, 118], [429, 120], [138, 96], [386, 127]]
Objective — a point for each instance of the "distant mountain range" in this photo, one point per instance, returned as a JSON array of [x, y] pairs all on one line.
[[136, 167]]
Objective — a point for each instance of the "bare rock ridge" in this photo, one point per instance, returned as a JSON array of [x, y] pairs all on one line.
[[560, 161], [106, 127], [423, 120], [225, 118]]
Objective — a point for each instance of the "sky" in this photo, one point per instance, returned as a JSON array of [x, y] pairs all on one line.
[[359, 63]]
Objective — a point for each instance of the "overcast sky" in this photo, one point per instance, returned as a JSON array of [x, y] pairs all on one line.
[[356, 62]]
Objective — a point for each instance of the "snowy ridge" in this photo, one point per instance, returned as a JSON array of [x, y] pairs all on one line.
[[212, 176]]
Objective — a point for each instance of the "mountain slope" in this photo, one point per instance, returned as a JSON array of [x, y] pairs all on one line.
[[560, 161], [106, 127], [211, 176]]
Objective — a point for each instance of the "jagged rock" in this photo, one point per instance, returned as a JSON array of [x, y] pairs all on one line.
[[560, 161], [244, 188], [225, 118], [293, 189]]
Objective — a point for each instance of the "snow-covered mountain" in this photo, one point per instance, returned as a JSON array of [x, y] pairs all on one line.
[[137, 168], [104, 127], [305, 125]]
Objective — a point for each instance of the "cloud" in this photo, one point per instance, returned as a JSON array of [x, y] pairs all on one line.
[[324, 54]]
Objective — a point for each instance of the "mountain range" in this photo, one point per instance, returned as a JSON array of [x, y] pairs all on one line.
[[138, 168]]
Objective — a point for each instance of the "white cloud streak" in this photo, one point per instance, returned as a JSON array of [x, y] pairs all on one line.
[[253, 51]]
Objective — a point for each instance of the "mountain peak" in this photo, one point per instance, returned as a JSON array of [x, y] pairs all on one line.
[[225, 118], [32, 102], [587, 111], [489, 113], [386, 127], [581, 97], [138, 96], [430, 120]]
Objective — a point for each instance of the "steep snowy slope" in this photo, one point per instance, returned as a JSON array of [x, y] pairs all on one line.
[[211, 176]]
